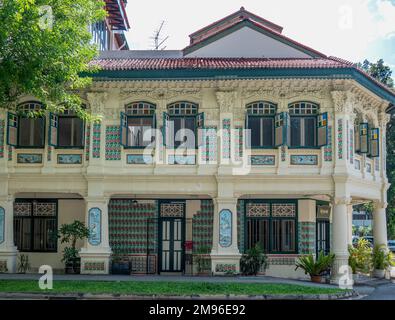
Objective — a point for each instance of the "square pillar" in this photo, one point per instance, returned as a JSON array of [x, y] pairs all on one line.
[[307, 226], [225, 255], [8, 250], [95, 255], [380, 224]]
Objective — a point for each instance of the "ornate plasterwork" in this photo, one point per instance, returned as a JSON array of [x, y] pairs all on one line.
[[160, 93], [383, 119], [226, 100], [97, 101], [343, 101]]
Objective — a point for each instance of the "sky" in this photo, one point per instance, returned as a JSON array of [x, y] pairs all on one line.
[[350, 29]]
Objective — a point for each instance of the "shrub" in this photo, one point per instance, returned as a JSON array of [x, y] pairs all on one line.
[[315, 267], [381, 259], [360, 256], [253, 261]]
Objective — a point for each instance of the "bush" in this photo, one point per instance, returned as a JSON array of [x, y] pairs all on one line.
[[381, 259], [253, 261], [315, 267], [360, 256]]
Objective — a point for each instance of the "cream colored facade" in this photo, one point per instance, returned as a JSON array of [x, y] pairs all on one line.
[[106, 182]]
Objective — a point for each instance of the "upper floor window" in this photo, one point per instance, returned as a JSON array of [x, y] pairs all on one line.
[[303, 118], [260, 122], [181, 124], [66, 130], [26, 128], [138, 119], [100, 35], [366, 139]]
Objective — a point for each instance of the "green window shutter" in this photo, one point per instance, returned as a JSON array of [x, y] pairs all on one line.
[[165, 129], [247, 131], [124, 129], [12, 129], [357, 138], [364, 137], [374, 142], [282, 129], [200, 128], [322, 130], [53, 129]]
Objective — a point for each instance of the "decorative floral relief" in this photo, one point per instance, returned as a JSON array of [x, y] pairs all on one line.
[[94, 223], [225, 228], [340, 138]]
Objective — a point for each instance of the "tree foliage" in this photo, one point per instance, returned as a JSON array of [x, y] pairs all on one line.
[[383, 73], [44, 47]]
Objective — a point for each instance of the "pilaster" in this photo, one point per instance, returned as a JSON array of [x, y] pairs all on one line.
[[8, 250]]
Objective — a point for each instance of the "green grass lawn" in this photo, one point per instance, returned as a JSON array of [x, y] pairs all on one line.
[[162, 288]]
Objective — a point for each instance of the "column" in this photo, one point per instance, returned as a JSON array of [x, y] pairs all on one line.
[[380, 224], [95, 255], [8, 250], [349, 223], [340, 236], [225, 255]]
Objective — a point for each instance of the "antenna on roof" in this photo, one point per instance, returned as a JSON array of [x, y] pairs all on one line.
[[158, 39]]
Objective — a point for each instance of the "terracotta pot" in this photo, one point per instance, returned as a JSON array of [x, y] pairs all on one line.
[[316, 279]]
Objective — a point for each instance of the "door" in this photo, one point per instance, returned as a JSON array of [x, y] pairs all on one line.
[[323, 236], [171, 237]]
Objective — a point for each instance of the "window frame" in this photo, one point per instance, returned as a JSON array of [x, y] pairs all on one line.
[[32, 218], [61, 116], [269, 219], [22, 114], [271, 117], [302, 127], [139, 116]]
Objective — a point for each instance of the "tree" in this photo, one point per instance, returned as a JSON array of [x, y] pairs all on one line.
[[383, 73], [45, 46]]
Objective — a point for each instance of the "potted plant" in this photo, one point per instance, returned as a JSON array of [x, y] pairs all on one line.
[[381, 260], [23, 263], [253, 261], [360, 258], [315, 267], [119, 265], [70, 233]]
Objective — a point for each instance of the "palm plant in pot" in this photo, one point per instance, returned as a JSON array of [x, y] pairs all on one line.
[[315, 268], [382, 259], [253, 261], [70, 233]]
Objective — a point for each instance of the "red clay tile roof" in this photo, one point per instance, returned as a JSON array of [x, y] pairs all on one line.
[[217, 63]]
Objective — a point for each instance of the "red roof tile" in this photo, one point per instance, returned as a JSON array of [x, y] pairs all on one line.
[[217, 63]]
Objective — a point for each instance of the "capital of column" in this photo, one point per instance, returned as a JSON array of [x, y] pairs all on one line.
[[97, 101], [226, 100], [341, 200], [379, 205]]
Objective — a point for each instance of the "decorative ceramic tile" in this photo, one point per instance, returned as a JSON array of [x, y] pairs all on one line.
[[225, 228], [96, 136], [347, 141], [377, 164], [340, 138], [29, 158], [240, 225], [87, 141], [307, 234], [69, 158], [285, 261], [113, 145], [139, 265], [226, 138], [94, 225], [138, 159], [202, 227], [2, 224], [3, 266], [310, 159], [225, 267], [328, 148], [133, 227], [238, 143], [49, 153], [94, 266], [283, 153], [209, 149], [262, 160], [2, 130]]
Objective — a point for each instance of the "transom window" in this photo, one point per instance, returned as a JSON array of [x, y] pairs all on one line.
[[182, 108], [139, 109], [261, 108], [303, 108], [303, 124], [260, 122], [35, 225], [272, 224], [139, 118], [25, 128]]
